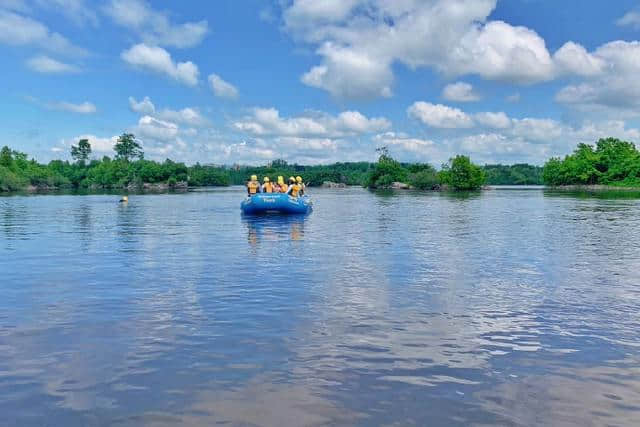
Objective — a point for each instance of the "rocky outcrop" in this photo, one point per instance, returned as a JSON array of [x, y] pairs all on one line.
[[400, 186], [151, 187], [330, 184], [158, 186], [43, 188]]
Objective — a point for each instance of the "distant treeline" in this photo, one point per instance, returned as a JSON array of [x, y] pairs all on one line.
[[351, 173], [518, 174], [357, 173], [609, 162]]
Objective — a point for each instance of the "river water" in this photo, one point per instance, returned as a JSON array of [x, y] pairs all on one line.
[[512, 307]]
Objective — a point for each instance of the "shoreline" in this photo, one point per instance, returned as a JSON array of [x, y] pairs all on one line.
[[596, 188], [144, 188], [183, 187]]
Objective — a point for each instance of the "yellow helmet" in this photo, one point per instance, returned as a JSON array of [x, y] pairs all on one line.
[[266, 179], [280, 180], [292, 179], [254, 177], [299, 179]]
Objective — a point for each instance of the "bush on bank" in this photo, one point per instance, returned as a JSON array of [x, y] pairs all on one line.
[[462, 175], [610, 162]]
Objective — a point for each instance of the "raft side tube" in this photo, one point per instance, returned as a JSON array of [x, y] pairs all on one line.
[[276, 203]]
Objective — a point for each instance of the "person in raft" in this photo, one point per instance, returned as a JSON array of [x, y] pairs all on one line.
[[301, 185], [253, 186], [267, 187], [294, 188], [282, 187]]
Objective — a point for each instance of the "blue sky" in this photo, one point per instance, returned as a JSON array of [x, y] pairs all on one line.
[[318, 81]]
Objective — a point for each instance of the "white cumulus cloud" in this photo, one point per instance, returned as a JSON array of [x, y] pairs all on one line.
[[630, 19], [303, 11], [155, 129], [538, 130], [348, 73], [267, 121], [145, 106], [573, 58], [498, 120], [158, 60], [78, 11], [615, 87], [460, 92], [82, 108], [188, 116], [359, 41], [222, 88], [154, 27], [439, 116], [500, 51], [48, 65], [312, 137], [18, 30], [408, 147]]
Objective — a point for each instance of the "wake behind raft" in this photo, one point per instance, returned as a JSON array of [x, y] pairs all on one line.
[[263, 203]]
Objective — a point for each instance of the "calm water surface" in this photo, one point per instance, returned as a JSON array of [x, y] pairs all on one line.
[[513, 307]]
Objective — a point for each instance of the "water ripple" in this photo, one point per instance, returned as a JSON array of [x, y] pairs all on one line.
[[406, 308]]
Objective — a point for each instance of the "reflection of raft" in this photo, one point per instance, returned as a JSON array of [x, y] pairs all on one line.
[[276, 203]]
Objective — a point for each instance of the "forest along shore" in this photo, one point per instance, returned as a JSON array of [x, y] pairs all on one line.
[[129, 170], [610, 164]]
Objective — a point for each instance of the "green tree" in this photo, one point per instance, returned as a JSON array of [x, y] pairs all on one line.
[[581, 165], [462, 175], [81, 152], [279, 163], [425, 178], [386, 171], [21, 161], [128, 148], [553, 172], [618, 161], [9, 181], [611, 162], [6, 159]]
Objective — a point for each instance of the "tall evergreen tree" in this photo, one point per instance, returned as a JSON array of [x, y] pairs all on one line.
[[82, 151], [128, 147]]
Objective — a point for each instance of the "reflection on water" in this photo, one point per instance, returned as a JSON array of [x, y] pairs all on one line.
[[502, 307], [599, 194], [607, 394], [273, 227]]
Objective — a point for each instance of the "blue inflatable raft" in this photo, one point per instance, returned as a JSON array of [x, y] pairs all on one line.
[[276, 203]]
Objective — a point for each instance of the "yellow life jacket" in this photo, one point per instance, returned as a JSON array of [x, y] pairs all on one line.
[[268, 187], [295, 189], [253, 187], [283, 188]]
